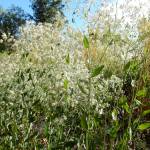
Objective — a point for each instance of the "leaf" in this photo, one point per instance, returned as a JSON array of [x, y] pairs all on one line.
[[81, 88], [126, 67], [146, 112], [144, 126], [66, 84], [68, 59], [96, 71], [127, 108], [122, 100], [136, 121], [107, 74], [137, 102], [46, 130], [131, 65], [84, 122], [113, 131], [141, 93], [130, 133], [85, 42], [28, 133]]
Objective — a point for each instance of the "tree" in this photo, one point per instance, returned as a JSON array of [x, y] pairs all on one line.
[[10, 21], [47, 10]]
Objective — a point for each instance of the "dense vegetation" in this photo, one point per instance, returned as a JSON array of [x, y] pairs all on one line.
[[62, 89], [13, 18]]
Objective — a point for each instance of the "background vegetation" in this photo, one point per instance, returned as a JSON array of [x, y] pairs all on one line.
[[61, 88]]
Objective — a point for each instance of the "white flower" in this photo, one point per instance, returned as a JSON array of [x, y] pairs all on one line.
[[114, 115], [101, 111], [64, 117], [1, 41], [4, 36], [133, 83]]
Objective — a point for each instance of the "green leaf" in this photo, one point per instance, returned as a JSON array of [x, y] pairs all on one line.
[[28, 133], [126, 67], [127, 108], [136, 121], [146, 112], [144, 126], [122, 100], [107, 74], [84, 122], [142, 93], [112, 131], [131, 65], [66, 84], [130, 133], [81, 88], [46, 130], [85, 42], [137, 102], [96, 71], [68, 59]]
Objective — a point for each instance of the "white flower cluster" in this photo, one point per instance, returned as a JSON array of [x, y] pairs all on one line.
[[8, 40], [43, 45], [46, 44]]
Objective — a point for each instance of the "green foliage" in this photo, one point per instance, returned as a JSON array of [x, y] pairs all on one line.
[[144, 126], [85, 42], [141, 93], [10, 21], [47, 10], [84, 122], [146, 112], [96, 71], [68, 59]]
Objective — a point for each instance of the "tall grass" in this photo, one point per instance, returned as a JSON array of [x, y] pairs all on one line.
[[62, 89]]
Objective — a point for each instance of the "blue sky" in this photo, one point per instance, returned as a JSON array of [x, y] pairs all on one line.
[[22, 3], [25, 4]]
